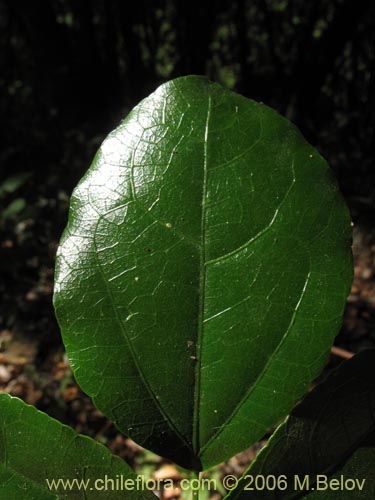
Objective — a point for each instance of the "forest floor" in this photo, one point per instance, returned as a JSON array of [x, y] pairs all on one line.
[[47, 382]]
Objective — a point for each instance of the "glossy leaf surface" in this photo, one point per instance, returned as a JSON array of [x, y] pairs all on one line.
[[332, 432], [203, 272], [35, 448]]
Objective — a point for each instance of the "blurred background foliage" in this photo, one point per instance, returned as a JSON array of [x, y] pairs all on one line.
[[72, 69]]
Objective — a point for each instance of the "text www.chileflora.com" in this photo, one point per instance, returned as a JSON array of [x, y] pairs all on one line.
[[122, 483]]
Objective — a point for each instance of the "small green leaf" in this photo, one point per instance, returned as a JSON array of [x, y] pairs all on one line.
[[14, 208], [14, 182], [203, 273], [35, 448], [331, 433]]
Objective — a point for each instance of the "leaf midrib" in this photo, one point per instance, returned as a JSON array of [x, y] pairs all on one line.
[[202, 285]]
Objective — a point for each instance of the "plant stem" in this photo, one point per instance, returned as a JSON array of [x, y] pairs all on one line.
[[194, 491]]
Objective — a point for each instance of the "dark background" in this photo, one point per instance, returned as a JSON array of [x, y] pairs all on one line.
[[72, 69]]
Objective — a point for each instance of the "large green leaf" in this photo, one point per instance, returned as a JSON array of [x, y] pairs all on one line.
[[36, 450], [203, 272], [331, 433]]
